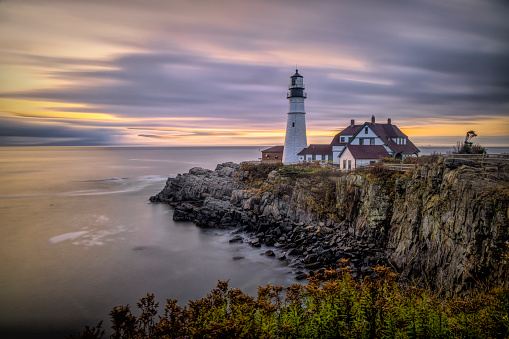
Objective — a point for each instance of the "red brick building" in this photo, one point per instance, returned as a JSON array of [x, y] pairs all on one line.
[[273, 154]]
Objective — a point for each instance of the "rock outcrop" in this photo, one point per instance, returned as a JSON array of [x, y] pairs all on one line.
[[445, 228]]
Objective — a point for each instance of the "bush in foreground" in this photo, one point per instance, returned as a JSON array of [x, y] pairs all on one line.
[[332, 305]]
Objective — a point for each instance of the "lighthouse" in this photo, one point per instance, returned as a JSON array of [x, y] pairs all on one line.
[[295, 138]]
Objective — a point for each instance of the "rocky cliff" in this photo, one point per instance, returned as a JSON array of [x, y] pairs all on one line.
[[444, 227]]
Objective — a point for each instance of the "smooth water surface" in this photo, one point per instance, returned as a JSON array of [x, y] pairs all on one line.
[[78, 236]]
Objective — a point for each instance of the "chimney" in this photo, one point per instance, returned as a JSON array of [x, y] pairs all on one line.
[[373, 119], [389, 121], [352, 122]]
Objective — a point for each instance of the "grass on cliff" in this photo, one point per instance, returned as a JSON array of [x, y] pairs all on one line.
[[255, 175], [332, 305]]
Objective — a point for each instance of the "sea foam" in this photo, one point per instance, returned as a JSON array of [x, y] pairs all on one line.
[[66, 236]]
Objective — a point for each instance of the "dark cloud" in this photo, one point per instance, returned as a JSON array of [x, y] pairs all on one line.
[[16, 132], [433, 58]]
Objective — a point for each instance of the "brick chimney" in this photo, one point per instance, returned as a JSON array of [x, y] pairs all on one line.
[[373, 119], [389, 121], [352, 122]]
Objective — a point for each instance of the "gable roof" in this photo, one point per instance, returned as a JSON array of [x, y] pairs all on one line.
[[350, 130], [274, 149], [387, 131], [367, 151], [316, 149]]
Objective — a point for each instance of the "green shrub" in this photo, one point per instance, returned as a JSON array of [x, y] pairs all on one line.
[[331, 305]]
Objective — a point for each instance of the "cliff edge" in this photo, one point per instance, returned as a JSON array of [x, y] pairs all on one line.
[[441, 226]]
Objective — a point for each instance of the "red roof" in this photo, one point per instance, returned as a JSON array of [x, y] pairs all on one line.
[[367, 151], [350, 130], [317, 149], [388, 131], [274, 149], [384, 131]]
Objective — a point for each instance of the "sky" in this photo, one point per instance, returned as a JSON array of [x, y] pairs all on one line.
[[216, 72]]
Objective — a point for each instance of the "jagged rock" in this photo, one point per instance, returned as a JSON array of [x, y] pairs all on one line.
[[236, 239], [300, 275], [294, 251], [311, 258], [255, 242], [269, 253], [445, 225], [455, 163]]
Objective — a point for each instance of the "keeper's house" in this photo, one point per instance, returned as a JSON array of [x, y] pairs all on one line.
[[365, 143]]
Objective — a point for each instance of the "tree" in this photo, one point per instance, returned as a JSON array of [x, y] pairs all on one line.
[[468, 147], [470, 134]]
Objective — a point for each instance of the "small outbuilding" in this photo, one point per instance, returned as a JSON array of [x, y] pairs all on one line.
[[273, 154]]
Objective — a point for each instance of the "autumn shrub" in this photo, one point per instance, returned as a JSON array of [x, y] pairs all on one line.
[[424, 160], [331, 305]]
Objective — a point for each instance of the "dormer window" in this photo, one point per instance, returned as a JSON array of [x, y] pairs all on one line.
[[342, 139]]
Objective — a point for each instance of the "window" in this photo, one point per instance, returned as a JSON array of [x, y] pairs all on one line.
[[342, 139], [313, 157], [276, 156], [372, 162], [349, 164], [372, 141], [350, 139], [344, 164], [361, 141], [365, 130], [323, 158], [329, 158], [293, 124]]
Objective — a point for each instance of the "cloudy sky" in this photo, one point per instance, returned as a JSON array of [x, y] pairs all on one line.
[[216, 72]]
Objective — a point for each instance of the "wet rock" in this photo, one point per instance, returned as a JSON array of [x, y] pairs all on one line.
[[237, 258], [300, 275], [294, 251], [269, 253], [311, 258], [236, 239], [255, 242]]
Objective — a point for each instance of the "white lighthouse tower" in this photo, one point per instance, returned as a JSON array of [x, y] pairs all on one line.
[[295, 138]]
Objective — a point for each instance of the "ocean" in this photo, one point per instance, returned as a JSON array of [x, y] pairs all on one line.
[[79, 236]]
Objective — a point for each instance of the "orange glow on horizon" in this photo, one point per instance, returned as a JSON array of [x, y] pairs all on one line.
[[488, 126]]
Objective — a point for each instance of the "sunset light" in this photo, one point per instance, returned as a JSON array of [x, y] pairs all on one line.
[[219, 73]]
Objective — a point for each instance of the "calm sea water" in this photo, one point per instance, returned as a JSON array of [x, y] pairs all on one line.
[[78, 236]]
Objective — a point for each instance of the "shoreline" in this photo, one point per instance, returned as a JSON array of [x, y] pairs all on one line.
[[368, 222]]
